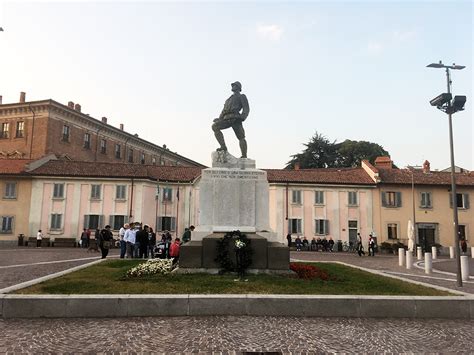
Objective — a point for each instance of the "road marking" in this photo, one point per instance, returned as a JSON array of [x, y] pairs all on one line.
[[424, 276], [53, 262]]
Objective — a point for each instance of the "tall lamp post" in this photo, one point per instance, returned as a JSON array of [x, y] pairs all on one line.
[[445, 103]]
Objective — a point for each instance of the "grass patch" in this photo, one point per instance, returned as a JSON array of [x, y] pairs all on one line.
[[109, 278]]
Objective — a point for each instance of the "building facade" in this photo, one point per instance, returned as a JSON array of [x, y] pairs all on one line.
[[32, 130]]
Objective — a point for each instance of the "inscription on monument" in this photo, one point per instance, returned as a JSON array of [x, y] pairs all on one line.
[[234, 174]]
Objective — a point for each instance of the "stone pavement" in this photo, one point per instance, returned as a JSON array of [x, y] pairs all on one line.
[[235, 335], [24, 264], [388, 264]]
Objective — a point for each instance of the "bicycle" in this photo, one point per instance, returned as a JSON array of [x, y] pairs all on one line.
[[349, 247]]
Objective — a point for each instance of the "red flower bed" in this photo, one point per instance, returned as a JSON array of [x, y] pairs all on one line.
[[309, 272]]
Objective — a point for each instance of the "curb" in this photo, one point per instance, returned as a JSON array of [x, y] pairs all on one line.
[[111, 306]]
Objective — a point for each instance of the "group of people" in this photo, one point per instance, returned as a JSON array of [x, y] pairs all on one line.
[[315, 245], [360, 246]]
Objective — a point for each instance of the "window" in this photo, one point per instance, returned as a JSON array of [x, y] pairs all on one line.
[[58, 191], [392, 230], [117, 221], [118, 151], [93, 221], [87, 140], [166, 223], [352, 198], [95, 192], [425, 200], [296, 196], [142, 158], [66, 132], [120, 192], [56, 220], [294, 226], [322, 226], [5, 130], [103, 146], [462, 201], [153, 160], [7, 224], [319, 197], [10, 190], [167, 194], [130, 155], [391, 199], [20, 129]]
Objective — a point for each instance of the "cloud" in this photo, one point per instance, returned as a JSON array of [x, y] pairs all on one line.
[[402, 36], [374, 47], [270, 32]]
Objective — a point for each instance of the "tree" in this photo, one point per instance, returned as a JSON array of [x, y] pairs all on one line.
[[321, 153]]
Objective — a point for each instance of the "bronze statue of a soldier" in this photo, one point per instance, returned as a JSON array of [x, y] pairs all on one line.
[[232, 117]]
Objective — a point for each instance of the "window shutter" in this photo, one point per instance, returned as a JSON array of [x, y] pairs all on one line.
[[398, 197], [384, 199], [159, 224], [289, 226], [423, 199], [428, 199], [466, 201], [111, 221], [101, 221], [173, 223], [86, 221], [326, 226]]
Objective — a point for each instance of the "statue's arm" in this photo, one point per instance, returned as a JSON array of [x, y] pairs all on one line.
[[245, 107]]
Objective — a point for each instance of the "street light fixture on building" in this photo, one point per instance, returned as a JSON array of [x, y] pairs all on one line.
[[445, 103]]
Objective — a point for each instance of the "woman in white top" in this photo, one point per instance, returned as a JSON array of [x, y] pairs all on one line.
[[39, 237]]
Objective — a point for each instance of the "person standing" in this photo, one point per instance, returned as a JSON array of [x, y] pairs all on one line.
[[151, 243], [84, 239], [130, 238], [187, 234], [39, 238], [288, 238], [123, 243], [105, 241], [371, 246], [174, 250], [298, 243], [143, 241], [360, 247]]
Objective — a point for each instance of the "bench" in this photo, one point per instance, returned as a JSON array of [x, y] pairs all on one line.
[[45, 242], [64, 242]]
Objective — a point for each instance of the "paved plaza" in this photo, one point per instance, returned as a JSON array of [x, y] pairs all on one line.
[[235, 335], [229, 334]]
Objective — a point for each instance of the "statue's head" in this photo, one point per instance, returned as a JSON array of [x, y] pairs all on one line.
[[236, 86]]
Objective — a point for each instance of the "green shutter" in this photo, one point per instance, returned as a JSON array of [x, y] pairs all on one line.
[[466, 201], [101, 222], [384, 199], [398, 199], [326, 226], [86, 221]]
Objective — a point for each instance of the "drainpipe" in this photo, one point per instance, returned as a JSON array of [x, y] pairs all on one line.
[[32, 129], [131, 202]]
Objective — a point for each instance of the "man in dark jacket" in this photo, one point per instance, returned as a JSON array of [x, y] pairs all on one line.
[[105, 241], [142, 238]]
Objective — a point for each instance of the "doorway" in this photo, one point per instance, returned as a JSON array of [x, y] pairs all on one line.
[[427, 234]]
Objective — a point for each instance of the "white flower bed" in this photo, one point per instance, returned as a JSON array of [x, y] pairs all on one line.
[[151, 267]]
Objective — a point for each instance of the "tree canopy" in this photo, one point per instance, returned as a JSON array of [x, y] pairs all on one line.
[[320, 152]]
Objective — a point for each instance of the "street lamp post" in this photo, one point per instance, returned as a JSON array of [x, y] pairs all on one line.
[[443, 103]]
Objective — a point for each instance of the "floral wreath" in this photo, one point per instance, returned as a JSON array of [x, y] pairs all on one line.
[[234, 253]]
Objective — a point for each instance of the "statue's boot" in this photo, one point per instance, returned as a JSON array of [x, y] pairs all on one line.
[[220, 140], [243, 147]]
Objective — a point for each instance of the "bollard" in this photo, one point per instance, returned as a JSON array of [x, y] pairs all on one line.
[[472, 252], [434, 251], [409, 259], [428, 263], [451, 252], [464, 268], [419, 254], [401, 256]]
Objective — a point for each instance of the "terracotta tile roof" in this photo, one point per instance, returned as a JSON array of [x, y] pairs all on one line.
[[13, 166], [403, 177], [117, 170], [341, 176]]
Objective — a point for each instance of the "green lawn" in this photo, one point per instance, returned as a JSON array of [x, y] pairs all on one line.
[[108, 278]]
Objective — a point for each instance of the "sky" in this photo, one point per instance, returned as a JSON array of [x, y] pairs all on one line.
[[348, 70]]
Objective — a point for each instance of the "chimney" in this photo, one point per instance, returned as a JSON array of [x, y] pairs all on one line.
[[1, 98], [426, 167], [22, 97], [383, 162], [297, 166], [104, 120], [70, 104], [121, 126], [77, 107]]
